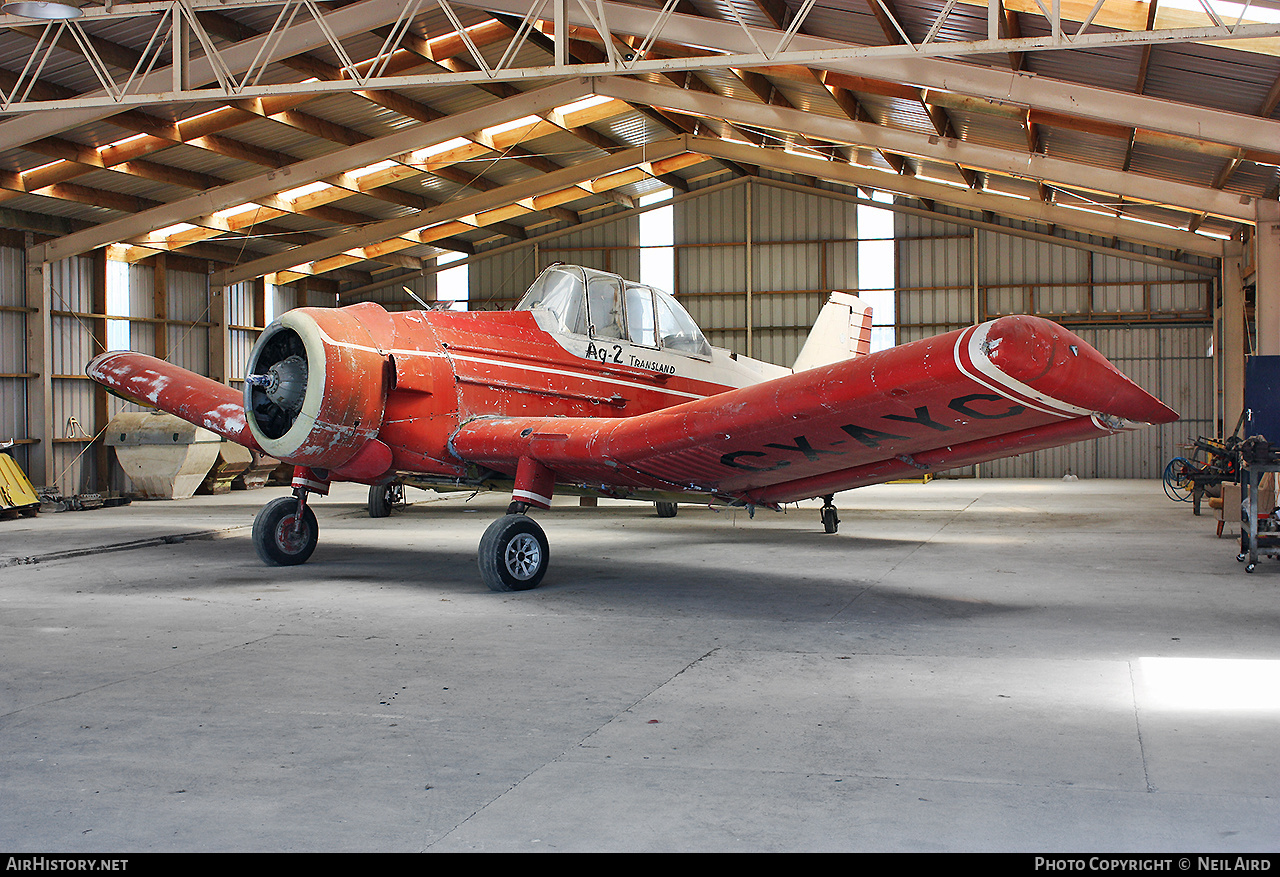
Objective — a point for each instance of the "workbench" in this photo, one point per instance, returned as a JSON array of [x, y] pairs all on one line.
[[1251, 541]]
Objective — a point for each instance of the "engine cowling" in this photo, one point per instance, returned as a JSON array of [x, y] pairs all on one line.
[[315, 387]]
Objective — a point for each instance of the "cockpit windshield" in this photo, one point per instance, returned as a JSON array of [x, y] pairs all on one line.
[[595, 303], [559, 290]]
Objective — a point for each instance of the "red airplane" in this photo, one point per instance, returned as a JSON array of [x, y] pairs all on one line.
[[599, 386]]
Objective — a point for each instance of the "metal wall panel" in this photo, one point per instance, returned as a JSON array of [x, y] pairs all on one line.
[[701, 269], [72, 282], [718, 313], [799, 252], [793, 266], [498, 282], [611, 246], [188, 299], [842, 265], [283, 298], [782, 323], [310, 297], [713, 218], [240, 341], [787, 215], [934, 284], [142, 303]]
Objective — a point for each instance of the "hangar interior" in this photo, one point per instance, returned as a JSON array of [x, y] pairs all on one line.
[[177, 174], [1104, 170]]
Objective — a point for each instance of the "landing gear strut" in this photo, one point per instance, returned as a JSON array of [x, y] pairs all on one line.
[[830, 520], [513, 551]]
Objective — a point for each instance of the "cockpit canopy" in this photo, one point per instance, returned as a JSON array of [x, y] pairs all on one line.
[[603, 305]]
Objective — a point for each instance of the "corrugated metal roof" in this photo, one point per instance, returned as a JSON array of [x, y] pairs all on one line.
[[1201, 76]]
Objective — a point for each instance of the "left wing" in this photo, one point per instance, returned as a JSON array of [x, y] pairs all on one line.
[[1009, 386], [158, 384]]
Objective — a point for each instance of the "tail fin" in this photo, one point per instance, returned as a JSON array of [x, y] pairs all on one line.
[[842, 331]]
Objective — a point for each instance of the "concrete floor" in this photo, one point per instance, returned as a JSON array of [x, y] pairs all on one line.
[[967, 665]]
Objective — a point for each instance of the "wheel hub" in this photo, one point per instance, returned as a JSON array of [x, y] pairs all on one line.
[[289, 537], [523, 557]]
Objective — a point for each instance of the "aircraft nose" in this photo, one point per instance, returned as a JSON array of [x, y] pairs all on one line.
[[1060, 364]]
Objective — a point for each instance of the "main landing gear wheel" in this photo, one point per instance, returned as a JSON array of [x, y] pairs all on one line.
[[382, 497], [276, 538], [666, 509], [513, 554]]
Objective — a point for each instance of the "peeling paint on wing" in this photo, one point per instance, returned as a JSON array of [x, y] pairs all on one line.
[[231, 416], [154, 384]]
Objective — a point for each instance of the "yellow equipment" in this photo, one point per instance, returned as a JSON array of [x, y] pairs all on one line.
[[16, 492]]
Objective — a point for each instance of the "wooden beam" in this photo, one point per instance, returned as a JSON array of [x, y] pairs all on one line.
[[160, 303]]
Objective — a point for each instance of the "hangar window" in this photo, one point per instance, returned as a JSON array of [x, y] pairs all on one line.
[[657, 239], [876, 280], [452, 284], [118, 335]]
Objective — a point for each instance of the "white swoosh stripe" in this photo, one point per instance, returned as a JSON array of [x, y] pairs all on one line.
[[509, 364], [993, 378]]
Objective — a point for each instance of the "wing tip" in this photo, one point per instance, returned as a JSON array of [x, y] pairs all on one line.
[[1038, 353]]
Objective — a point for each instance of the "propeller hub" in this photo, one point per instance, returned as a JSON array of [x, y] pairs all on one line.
[[285, 382]]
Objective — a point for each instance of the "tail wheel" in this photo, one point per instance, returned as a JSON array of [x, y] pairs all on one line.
[[383, 497], [666, 509], [830, 519], [513, 554], [276, 538]]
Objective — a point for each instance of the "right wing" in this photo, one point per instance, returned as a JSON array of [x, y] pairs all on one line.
[[1009, 386]]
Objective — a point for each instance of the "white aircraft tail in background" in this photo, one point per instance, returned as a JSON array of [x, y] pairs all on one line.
[[842, 331]]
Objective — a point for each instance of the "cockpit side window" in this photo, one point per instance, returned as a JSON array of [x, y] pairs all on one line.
[[604, 304], [640, 325], [676, 328], [560, 291]]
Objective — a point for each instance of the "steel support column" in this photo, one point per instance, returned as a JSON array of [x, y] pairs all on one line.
[[1267, 277], [1233, 334]]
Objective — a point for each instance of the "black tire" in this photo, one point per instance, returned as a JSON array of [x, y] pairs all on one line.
[[513, 554], [666, 509], [273, 533], [830, 520], [381, 499]]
